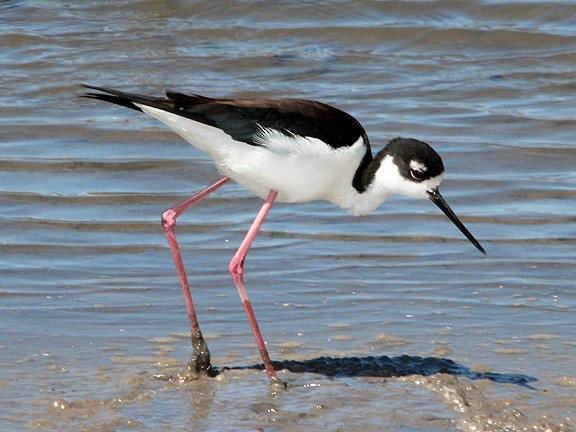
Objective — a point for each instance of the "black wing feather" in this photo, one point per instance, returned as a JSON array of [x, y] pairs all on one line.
[[240, 118]]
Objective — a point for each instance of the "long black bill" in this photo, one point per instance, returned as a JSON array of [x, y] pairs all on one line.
[[437, 199]]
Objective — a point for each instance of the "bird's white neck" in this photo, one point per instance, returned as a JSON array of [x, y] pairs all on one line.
[[376, 192], [386, 181]]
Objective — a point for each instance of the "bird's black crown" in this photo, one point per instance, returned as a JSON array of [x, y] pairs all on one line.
[[416, 160]]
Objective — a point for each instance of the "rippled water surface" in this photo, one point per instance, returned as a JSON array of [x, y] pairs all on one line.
[[420, 331]]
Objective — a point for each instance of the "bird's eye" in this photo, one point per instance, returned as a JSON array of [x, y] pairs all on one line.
[[417, 174]]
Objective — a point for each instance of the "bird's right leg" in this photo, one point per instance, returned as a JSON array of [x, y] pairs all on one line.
[[200, 361]]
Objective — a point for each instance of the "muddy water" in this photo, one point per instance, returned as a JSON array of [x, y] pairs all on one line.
[[387, 322]]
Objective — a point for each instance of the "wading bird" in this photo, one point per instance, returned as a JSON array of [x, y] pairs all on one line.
[[285, 150]]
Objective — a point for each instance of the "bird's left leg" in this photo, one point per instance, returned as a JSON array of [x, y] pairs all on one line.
[[200, 362], [237, 271]]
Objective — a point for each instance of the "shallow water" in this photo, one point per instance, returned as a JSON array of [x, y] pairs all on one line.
[[90, 306]]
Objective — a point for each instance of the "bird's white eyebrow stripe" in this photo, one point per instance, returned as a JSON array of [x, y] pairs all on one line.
[[416, 165]]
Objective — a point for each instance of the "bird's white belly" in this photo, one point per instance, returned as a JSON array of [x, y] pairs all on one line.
[[301, 169], [297, 177]]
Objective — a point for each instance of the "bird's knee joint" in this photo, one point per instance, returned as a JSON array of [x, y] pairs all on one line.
[[169, 218], [236, 267]]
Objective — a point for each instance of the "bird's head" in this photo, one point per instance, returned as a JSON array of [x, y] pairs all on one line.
[[413, 168]]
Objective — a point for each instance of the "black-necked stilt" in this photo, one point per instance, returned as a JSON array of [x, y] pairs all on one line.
[[286, 150]]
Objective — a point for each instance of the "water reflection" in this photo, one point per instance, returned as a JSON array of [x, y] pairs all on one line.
[[388, 367]]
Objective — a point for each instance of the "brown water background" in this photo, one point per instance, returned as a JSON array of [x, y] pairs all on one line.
[[90, 306]]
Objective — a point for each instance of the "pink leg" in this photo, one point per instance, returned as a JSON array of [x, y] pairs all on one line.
[[237, 270], [200, 356]]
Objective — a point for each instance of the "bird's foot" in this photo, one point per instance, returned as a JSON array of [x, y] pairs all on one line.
[[276, 385], [198, 366]]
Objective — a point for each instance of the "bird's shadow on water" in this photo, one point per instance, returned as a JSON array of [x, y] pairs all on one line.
[[386, 367]]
